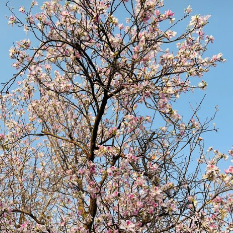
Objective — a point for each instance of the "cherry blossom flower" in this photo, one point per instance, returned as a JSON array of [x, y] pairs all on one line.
[[168, 13], [128, 226], [22, 9]]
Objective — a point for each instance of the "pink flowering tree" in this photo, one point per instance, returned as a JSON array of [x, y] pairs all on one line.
[[90, 139]]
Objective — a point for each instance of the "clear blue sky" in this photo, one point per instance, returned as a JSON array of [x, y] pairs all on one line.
[[219, 79]]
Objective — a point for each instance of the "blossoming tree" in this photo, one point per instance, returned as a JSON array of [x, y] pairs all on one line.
[[81, 149]]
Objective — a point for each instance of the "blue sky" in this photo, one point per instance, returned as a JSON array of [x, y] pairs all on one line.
[[219, 79]]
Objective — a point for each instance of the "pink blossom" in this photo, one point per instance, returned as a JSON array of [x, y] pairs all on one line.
[[131, 196], [168, 13], [22, 9], [188, 9], [47, 67], [64, 13], [157, 12], [210, 38], [127, 225], [230, 152], [12, 20], [34, 3], [121, 26], [24, 225], [229, 170]]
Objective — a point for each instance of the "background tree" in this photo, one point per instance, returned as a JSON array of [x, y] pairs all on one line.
[[91, 141]]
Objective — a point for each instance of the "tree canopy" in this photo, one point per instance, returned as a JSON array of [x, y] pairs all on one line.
[[90, 139]]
